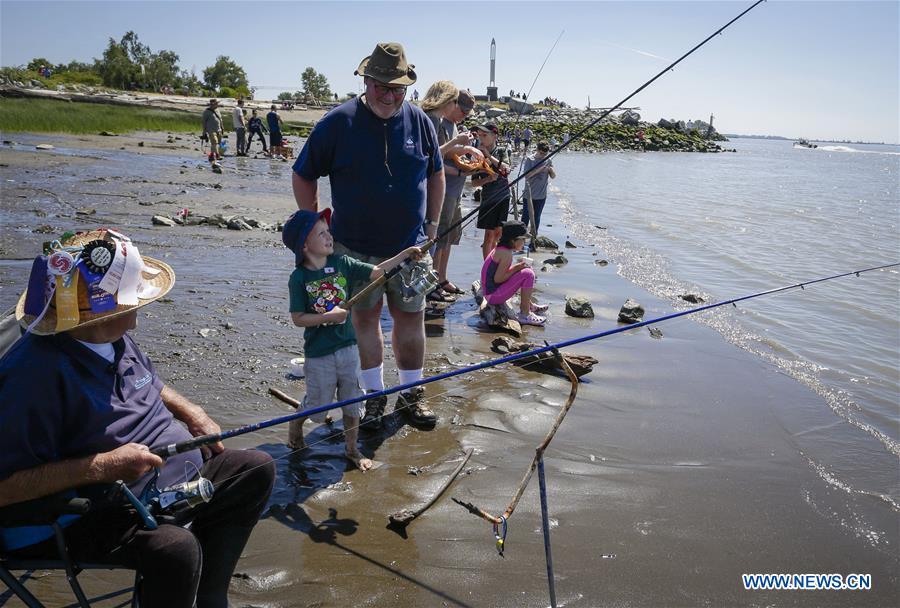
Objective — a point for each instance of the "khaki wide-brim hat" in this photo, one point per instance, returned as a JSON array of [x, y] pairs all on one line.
[[388, 64], [164, 280]]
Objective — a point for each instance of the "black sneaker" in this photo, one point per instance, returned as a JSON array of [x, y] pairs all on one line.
[[412, 405], [372, 419]]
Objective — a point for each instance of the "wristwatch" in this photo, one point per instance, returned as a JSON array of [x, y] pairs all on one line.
[[429, 222]]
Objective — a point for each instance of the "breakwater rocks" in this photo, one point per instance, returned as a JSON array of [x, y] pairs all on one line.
[[625, 131]]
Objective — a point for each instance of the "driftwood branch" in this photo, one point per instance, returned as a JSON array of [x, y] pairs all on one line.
[[284, 397], [538, 453], [405, 516]]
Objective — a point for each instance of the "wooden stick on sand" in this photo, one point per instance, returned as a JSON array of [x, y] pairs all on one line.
[[405, 516]]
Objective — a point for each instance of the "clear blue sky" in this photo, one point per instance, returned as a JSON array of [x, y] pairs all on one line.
[[794, 68]]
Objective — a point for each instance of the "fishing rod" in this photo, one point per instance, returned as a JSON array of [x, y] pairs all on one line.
[[521, 111], [426, 246], [196, 442], [488, 205]]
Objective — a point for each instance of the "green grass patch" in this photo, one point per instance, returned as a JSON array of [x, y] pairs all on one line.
[[53, 116]]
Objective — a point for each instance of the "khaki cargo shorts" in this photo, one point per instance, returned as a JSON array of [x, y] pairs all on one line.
[[330, 375], [393, 288]]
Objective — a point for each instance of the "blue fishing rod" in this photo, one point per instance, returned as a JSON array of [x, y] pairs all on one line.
[[196, 442]]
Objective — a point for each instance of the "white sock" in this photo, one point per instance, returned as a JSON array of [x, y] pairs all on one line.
[[410, 375], [372, 379]]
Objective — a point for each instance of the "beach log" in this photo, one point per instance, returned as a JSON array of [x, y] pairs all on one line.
[[546, 362]]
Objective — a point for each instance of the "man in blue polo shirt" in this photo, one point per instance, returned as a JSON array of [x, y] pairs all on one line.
[[383, 161], [81, 405]]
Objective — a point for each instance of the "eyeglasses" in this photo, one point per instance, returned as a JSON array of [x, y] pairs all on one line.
[[381, 90]]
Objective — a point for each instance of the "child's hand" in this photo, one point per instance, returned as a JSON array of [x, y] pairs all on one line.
[[335, 316], [517, 266]]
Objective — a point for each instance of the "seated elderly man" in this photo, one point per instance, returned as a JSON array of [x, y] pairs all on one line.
[[81, 405]]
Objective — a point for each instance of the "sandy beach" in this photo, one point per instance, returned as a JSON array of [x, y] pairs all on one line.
[[675, 472]]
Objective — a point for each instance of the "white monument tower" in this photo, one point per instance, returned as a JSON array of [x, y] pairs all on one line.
[[492, 87]]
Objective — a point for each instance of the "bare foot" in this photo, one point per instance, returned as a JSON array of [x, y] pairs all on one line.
[[362, 463]]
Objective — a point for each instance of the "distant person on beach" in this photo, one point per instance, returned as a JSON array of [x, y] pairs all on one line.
[[447, 106], [212, 128], [526, 137], [256, 127], [240, 127], [494, 206], [536, 183], [275, 123], [82, 405], [383, 160], [320, 283], [517, 139], [501, 279], [565, 138]]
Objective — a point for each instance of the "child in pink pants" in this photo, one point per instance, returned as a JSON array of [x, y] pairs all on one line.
[[501, 279]]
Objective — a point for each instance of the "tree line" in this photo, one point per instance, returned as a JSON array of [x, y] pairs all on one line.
[[130, 65]]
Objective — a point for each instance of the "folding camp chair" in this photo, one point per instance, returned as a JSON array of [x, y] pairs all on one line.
[[46, 511]]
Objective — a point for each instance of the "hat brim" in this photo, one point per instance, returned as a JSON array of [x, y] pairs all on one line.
[[405, 80], [164, 280]]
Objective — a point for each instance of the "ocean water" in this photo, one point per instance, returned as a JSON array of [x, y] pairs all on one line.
[[770, 215]]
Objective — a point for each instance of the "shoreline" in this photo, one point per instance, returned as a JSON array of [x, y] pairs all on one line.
[[686, 479]]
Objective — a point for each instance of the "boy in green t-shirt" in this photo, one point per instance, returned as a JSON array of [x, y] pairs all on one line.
[[319, 285]]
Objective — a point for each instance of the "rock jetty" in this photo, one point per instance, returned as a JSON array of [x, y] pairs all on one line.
[[616, 132]]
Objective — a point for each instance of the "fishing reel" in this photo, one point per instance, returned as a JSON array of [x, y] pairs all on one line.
[[421, 281], [155, 503]]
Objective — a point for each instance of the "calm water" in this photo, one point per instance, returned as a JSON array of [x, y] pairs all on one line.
[[770, 215]]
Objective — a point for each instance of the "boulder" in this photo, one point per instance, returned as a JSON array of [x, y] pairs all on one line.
[[630, 118], [542, 242], [43, 147], [631, 312], [520, 107], [559, 260], [576, 306], [570, 244], [161, 220], [218, 220], [86, 211], [238, 223], [601, 262], [692, 298], [498, 317], [494, 112]]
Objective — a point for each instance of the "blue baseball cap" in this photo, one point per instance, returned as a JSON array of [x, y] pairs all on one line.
[[297, 228]]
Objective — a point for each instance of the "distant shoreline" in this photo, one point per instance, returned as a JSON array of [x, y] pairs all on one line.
[[818, 141]]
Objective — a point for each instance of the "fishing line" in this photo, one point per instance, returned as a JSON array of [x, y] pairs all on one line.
[[331, 436], [501, 195], [580, 133], [515, 193], [190, 444]]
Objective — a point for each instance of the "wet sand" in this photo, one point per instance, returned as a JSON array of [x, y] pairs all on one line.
[[675, 472]]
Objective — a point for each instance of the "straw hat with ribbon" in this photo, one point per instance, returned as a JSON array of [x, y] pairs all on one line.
[[387, 64], [87, 277]]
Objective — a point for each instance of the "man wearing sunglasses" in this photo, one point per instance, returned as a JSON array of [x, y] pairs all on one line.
[[383, 161]]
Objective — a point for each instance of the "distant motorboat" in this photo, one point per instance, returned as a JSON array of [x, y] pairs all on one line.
[[803, 143]]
